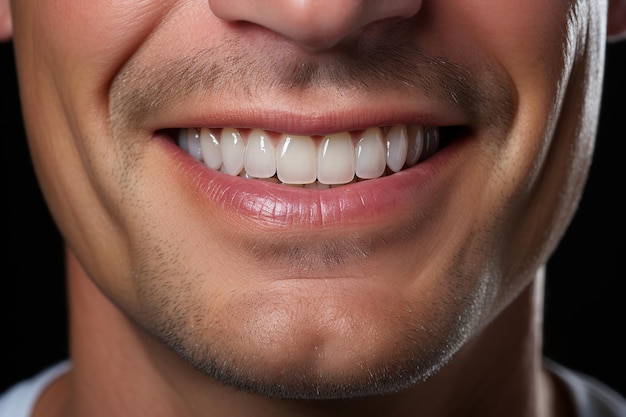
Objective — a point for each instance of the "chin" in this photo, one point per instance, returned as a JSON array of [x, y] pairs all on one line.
[[315, 339]]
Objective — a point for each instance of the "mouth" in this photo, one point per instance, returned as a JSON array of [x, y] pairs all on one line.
[[385, 177], [314, 161]]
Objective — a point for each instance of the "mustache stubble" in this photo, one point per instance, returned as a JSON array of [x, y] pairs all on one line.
[[139, 91]]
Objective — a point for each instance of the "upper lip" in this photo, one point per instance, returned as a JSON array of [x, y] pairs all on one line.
[[312, 120]]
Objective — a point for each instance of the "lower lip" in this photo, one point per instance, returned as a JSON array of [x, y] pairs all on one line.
[[268, 205]]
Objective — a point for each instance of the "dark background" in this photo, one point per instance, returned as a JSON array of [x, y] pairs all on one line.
[[585, 297]]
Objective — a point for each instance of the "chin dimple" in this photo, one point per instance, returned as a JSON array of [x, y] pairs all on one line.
[[310, 161]]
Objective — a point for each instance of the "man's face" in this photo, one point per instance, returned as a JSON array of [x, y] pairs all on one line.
[[298, 290]]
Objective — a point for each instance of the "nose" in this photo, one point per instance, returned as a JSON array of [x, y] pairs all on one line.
[[314, 24]]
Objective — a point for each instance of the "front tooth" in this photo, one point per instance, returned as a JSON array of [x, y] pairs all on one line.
[[397, 147], [295, 163], [260, 155], [210, 147], [370, 155], [335, 159], [232, 147], [416, 145], [431, 142]]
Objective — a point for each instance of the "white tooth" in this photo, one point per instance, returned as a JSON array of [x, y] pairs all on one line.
[[193, 144], [335, 159], [416, 145], [260, 156], [182, 140], [370, 154], [295, 163], [210, 147], [232, 147], [431, 142], [397, 147]]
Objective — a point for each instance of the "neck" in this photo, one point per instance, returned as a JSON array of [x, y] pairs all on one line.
[[121, 370]]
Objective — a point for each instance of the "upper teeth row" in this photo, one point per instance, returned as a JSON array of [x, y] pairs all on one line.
[[298, 159]]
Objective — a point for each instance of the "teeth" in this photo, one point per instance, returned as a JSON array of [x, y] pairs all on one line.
[[370, 154], [232, 147], [297, 160], [335, 159], [431, 143], [397, 147], [210, 148], [260, 156], [192, 144], [416, 144]]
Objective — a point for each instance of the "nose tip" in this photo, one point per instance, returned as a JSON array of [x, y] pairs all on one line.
[[314, 24]]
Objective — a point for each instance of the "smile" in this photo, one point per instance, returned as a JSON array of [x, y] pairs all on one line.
[[318, 162], [316, 178]]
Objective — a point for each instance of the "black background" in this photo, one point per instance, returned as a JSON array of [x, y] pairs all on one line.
[[585, 297]]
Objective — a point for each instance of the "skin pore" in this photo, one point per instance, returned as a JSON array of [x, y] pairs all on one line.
[[217, 295]]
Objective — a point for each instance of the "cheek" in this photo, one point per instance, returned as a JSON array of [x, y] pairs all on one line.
[[86, 42], [523, 33], [67, 55], [523, 39]]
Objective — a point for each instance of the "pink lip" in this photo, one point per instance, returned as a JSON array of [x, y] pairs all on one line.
[[416, 111], [273, 206]]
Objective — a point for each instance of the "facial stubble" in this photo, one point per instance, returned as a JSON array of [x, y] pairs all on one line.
[[181, 320]]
